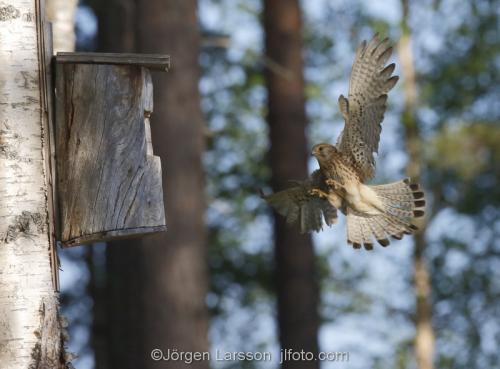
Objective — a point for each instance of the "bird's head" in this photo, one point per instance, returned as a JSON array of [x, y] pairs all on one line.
[[324, 152]]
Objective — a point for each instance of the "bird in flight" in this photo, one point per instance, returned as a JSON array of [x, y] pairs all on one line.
[[374, 212]]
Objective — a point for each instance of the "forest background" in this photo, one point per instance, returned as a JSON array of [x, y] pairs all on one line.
[[227, 275]]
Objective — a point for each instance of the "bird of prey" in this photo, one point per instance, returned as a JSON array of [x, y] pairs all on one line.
[[373, 212]]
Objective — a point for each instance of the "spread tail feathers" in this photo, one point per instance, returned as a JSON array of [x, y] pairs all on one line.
[[402, 202]]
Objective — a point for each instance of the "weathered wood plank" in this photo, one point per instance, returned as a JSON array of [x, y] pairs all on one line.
[[151, 61], [108, 183], [46, 71]]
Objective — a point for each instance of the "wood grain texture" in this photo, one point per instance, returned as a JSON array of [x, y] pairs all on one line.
[[151, 61], [46, 78], [108, 182]]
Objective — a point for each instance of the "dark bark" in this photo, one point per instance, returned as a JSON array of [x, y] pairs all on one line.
[[157, 285], [297, 285], [117, 20], [123, 309], [99, 325], [117, 340], [174, 268]]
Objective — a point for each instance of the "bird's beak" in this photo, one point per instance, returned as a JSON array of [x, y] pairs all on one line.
[[313, 152]]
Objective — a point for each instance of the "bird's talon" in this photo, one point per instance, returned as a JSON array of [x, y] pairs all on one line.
[[318, 193], [333, 183]]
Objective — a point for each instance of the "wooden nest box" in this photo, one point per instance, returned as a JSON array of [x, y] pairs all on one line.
[[108, 182]]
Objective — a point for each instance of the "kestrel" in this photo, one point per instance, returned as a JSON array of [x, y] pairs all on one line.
[[373, 212]]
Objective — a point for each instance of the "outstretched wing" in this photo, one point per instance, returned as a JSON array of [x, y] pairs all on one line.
[[297, 205], [364, 110]]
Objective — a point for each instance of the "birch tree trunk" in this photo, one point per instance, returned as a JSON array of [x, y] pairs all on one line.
[[30, 329], [61, 13], [424, 337]]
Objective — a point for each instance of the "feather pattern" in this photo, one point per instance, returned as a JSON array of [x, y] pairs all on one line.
[[369, 84], [374, 213], [298, 205], [402, 203]]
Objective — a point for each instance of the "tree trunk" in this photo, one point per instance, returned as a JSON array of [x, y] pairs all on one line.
[[31, 334], [297, 285], [162, 304], [174, 269], [61, 13], [117, 25], [424, 337], [116, 339], [99, 324]]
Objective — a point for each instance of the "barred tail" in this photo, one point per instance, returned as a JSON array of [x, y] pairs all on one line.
[[402, 202]]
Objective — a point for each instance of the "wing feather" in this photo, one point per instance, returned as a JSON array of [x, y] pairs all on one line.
[[365, 106], [297, 205]]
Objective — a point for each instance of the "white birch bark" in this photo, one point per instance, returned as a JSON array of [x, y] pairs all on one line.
[[61, 13], [30, 330]]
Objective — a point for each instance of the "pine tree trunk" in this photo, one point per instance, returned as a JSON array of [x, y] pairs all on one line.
[[424, 337], [116, 335], [297, 286], [30, 333], [175, 270], [162, 303], [117, 25]]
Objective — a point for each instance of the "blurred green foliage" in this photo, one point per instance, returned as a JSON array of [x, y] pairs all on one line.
[[456, 44], [457, 62], [466, 161]]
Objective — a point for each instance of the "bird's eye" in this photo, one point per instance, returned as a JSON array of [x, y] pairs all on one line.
[[320, 149]]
